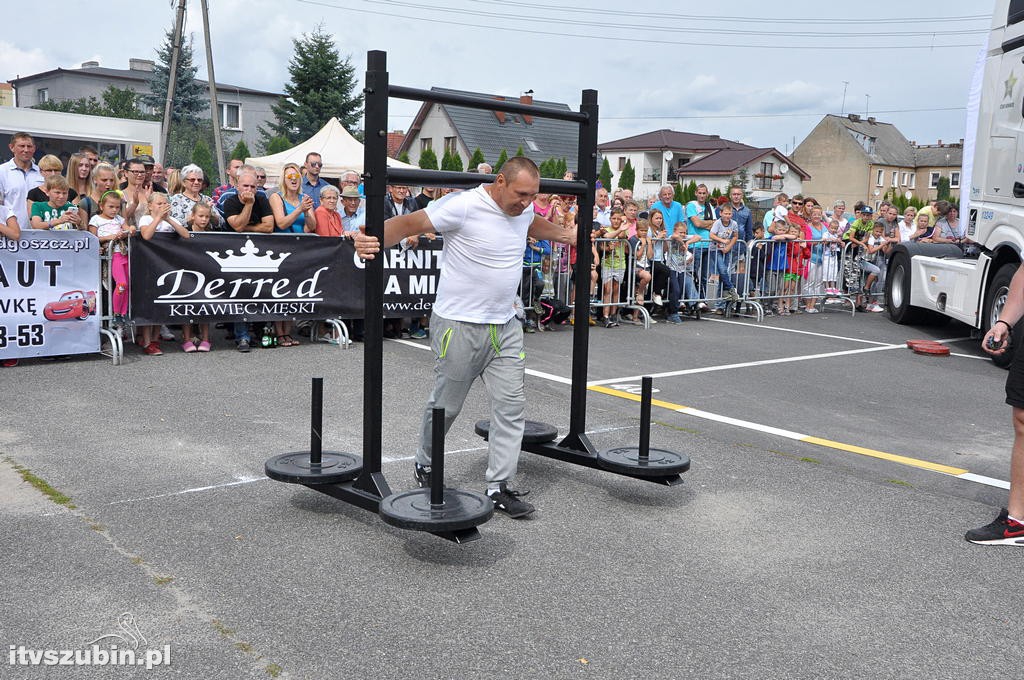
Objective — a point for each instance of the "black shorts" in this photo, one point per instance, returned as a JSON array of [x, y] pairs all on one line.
[[1015, 380]]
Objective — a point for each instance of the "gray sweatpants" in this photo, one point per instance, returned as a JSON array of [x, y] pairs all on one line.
[[463, 352]]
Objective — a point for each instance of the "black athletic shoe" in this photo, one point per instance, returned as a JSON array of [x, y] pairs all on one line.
[[421, 475], [507, 500], [1002, 531]]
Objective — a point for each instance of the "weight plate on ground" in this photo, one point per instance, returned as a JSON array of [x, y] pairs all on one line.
[[936, 349], [460, 510], [296, 468], [658, 463], [535, 431]]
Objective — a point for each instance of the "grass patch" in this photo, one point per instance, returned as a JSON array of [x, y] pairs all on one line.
[[137, 561], [899, 482], [41, 485], [793, 456], [243, 647], [222, 629], [274, 670], [677, 428], [162, 580], [808, 459]]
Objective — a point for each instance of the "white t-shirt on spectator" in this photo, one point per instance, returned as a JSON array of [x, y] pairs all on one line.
[[483, 256], [164, 226]]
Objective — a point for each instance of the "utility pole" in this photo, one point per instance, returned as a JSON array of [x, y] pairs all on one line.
[[165, 129], [867, 104], [842, 111], [214, 106]]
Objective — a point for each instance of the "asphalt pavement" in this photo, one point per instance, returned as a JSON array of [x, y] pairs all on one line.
[[818, 534]]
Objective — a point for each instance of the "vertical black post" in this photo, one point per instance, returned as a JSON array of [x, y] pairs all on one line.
[[645, 415], [375, 185], [587, 172], [316, 422], [437, 457]]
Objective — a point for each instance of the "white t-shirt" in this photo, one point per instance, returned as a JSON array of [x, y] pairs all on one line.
[[483, 256], [107, 226], [906, 230], [164, 226]]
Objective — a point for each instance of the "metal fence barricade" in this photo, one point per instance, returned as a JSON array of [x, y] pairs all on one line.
[[793, 276]]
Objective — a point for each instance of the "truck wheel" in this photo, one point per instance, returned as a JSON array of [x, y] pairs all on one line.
[[995, 300], [897, 292]]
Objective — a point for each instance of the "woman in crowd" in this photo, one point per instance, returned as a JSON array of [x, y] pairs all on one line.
[[814, 232], [293, 213], [948, 228], [183, 202], [102, 179], [174, 183], [328, 219], [908, 225], [78, 176]]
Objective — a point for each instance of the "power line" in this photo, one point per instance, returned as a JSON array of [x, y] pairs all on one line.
[[759, 20], [703, 31], [646, 41], [745, 115]]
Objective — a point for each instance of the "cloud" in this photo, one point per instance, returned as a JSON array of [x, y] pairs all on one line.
[[23, 62]]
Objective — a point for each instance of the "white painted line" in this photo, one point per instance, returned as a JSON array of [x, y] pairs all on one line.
[[767, 429], [982, 479], [794, 330], [248, 480], [747, 364]]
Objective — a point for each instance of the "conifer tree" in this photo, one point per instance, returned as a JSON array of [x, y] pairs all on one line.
[[190, 96], [241, 151], [476, 159], [322, 86], [428, 159], [627, 178], [502, 157], [605, 174]]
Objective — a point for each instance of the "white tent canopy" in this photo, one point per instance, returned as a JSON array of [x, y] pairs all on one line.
[[339, 151]]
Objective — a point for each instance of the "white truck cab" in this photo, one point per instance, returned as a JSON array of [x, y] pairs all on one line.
[[933, 282]]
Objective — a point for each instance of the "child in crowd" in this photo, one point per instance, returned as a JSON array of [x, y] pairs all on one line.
[[109, 227], [871, 265], [198, 220], [679, 260], [157, 219], [643, 251], [831, 242], [776, 269], [613, 265], [755, 269], [798, 253], [58, 212], [723, 235]]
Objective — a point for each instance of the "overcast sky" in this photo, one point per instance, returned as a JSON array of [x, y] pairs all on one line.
[[761, 73]]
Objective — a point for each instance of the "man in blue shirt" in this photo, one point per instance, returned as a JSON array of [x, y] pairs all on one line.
[[312, 183], [699, 218], [673, 212]]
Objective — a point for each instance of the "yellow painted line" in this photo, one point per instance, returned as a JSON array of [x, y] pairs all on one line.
[[808, 439]]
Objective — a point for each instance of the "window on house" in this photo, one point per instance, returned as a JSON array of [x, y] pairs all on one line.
[[879, 178], [531, 145], [913, 180], [903, 179], [954, 180], [622, 163], [450, 145], [933, 180], [766, 169], [231, 116], [42, 95], [895, 178], [426, 144]]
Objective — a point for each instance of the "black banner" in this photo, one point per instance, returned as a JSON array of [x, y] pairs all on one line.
[[270, 277]]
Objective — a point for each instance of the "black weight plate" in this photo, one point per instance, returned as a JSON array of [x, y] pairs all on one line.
[[295, 468], [412, 510], [535, 431], [658, 463]]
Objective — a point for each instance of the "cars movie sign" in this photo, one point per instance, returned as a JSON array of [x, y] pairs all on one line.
[[49, 294]]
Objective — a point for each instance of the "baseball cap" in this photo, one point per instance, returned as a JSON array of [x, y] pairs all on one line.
[[866, 210]]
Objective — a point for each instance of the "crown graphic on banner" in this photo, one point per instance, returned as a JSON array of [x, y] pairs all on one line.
[[248, 260]]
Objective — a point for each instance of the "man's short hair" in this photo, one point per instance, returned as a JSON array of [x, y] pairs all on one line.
[[21, 135], [702, 185], [85, 148], [798, 197], [666, 186], [942, 207], [517, 164], [56, 182], [484, 168]]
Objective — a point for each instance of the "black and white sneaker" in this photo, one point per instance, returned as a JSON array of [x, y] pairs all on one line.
[[507, 500], [422, 475], [1003, 530]]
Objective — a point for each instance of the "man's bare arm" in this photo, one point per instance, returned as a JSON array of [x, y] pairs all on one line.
[[543, 230]]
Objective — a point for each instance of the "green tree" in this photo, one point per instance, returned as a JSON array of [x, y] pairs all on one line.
[[190, 96], [519, 151], [548, 168], [561, 167], [689, 192], [477, 158], [627, 178], [403, 157], [428, 159], [502, 157], [605, 174], [241, 151], [942, 193], [322, 86], [716, 193], [678, 193], [742, 180], [182, 139], [277, 144], [202, 157], [116, 103], [451, 161]]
